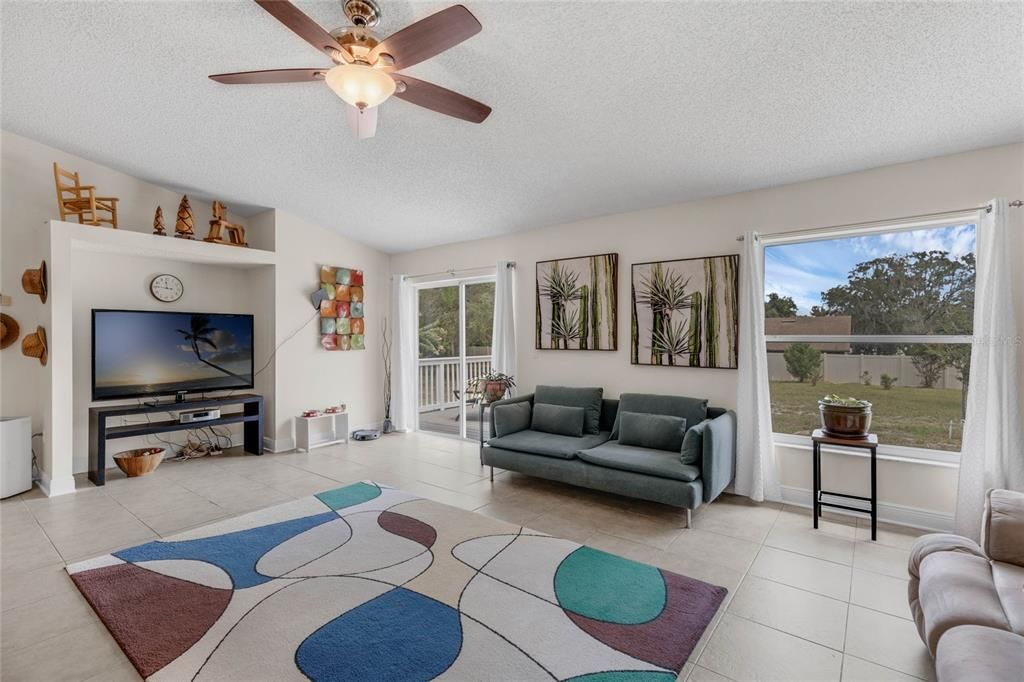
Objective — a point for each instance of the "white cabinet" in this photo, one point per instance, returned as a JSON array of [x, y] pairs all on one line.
[[15, 455], [320, 431]]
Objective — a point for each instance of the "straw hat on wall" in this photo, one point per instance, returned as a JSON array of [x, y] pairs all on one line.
[[9, 330], [34, 345], [33, 281]]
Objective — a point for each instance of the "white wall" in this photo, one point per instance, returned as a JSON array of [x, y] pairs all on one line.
[[307, 375], [302, 375], [709, 227], [105, 280]]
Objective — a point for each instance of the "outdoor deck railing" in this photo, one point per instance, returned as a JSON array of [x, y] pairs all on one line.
[[439, 380]]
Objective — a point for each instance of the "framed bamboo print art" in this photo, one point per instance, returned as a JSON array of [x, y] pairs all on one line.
[[685, 312], [577, 303]]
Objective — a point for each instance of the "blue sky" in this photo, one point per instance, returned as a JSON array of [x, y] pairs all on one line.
[[802, 271]]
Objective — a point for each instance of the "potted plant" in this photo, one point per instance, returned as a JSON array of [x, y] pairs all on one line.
[[495, 385], [844, 417]]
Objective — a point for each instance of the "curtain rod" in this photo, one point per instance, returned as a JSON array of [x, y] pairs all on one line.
[[1017, 203], [454, 273]]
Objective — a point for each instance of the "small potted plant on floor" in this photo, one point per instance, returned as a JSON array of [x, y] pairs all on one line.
[[845, 417], [495, 385]]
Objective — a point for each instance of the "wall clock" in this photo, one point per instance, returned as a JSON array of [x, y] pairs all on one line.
[[166, 288]]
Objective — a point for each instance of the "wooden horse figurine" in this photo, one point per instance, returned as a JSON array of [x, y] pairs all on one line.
[[235, 232]]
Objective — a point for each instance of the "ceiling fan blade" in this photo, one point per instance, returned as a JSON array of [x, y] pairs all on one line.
[[439, 99], [270, 76], [304, 27], [428, 37], [363, 122]]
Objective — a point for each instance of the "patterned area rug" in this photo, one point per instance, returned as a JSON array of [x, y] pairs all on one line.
[[368, 582]]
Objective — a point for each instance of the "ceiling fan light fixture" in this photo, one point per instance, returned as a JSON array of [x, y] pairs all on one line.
[[360, 85]]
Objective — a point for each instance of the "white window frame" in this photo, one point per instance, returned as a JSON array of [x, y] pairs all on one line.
[[899, 453]]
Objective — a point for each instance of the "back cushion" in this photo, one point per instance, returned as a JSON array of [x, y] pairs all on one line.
[[558, 419], [655, 431], [693, 410], [693, 443], [587, 398], [511, 417]]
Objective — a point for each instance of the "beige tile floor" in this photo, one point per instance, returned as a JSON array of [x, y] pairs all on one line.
[[802, 604]]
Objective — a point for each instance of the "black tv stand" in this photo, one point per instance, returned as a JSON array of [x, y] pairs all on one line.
[[251, 417]]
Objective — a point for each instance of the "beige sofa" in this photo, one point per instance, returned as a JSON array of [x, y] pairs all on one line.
[[968, 600]]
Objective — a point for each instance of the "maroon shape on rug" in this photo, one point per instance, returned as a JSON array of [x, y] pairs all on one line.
[[668, 640], [408, 528], [153, 617]]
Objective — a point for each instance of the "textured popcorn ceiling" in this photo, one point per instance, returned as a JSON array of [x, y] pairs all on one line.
[[598, 107]]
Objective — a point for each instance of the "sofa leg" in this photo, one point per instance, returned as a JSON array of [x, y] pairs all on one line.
[[492, 474], [689, 519]]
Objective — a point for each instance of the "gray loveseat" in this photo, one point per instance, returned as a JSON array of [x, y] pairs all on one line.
[[669, 449], [968, 599]]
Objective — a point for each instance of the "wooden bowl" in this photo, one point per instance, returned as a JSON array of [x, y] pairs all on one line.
[[139, 462]]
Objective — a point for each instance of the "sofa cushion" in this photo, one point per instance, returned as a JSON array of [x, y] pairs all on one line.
[[655, 431], [1002, 526], [511, 417], [1009, 582], [558, 419], [970, 653], [957, 589], [693, 410], [615, 455], [692, 451], [587, 398], [548, 444]]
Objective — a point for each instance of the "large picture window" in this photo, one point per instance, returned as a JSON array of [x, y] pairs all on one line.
[[884, 316]]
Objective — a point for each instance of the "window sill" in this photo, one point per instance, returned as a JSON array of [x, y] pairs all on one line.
[[893, 453]]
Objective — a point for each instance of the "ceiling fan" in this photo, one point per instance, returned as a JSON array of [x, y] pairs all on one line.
[[364, 73]]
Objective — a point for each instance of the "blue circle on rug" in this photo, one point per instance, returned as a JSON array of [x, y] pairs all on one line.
[[400, 635]]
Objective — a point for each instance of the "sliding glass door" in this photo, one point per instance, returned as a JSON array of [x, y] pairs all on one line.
[[455, 321]]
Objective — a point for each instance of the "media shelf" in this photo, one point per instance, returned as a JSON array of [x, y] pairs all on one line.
[[251, 417]]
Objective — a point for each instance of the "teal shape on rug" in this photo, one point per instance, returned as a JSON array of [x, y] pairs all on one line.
[[608, 588], [349, 496], [625, 676]]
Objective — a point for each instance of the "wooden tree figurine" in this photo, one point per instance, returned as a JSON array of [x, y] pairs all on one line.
[[183, 227], [235, 232], [158, 222]]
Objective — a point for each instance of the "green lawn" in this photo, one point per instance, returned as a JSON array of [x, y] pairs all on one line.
[[915, 417]]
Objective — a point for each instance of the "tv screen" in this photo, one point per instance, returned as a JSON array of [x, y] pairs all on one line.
[[139, 353]]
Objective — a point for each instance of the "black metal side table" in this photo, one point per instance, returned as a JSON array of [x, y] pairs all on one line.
[[869, 442]]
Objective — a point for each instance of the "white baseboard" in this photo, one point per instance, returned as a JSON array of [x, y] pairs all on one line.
[[52, 487], [278, 445], [897, 514]]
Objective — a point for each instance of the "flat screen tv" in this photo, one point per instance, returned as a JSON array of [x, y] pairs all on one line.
[[138, 353]]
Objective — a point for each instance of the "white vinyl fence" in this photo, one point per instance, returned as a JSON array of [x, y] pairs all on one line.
[[849, 368], [439, 379]]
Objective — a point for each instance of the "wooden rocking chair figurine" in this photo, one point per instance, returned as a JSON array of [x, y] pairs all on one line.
[[235, 232], [76, 199]]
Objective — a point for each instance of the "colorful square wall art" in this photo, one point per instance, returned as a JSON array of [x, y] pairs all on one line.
[[685, 312], [577, 303], [342, 325]]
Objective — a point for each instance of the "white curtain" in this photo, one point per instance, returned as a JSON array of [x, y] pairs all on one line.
[[992, 454], [757, 474], [403, 354], [503, 339]]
